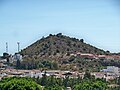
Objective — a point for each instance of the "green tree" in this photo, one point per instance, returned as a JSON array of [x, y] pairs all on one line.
[[18, 64], [54, 88], [43, 80], [90, 85], [82, 40], [118, 80], [65, 81], [18, 83]]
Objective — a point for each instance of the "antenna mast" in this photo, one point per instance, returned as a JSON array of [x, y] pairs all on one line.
[[18, 46], [6, 47]]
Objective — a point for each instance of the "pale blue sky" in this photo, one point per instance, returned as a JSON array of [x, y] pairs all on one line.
[[96, 21]]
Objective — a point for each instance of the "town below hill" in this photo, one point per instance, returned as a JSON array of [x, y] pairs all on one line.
[[106, 79]]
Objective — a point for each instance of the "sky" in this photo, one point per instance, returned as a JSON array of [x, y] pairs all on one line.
[[26, 21]]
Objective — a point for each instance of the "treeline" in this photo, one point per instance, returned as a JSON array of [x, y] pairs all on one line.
[[52, 83], [110, 63], [72, 63], [32, 64], [87, 83], [18, 83]]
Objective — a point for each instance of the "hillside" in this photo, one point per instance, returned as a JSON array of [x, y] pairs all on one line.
[[54, 52], [61, 44]]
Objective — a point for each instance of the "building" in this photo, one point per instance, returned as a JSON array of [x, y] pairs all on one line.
[[17, 56], [3, 60], [99, 74], [111, 69], [2, 66]]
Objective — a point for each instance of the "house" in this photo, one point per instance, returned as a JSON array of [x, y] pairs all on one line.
[[112, 72], [102, 57], [106, 75], [111, 69], [86, 55], [99, 74], [17, 56], [3, 66], [110, 57], [3, 60]]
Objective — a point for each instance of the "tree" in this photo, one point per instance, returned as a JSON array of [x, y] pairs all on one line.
[[65, 81], [44, 80], [83, 86], [50, 34], [55, 65], [59, 34], [18, 64], [90, 85], [82, 40], [99, 85], [18, 83], [5, 55], [54, 88], [87, 75], [51, 81], [118, 80]]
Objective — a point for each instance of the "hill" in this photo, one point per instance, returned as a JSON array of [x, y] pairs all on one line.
[[55, 52], [60, 44]]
